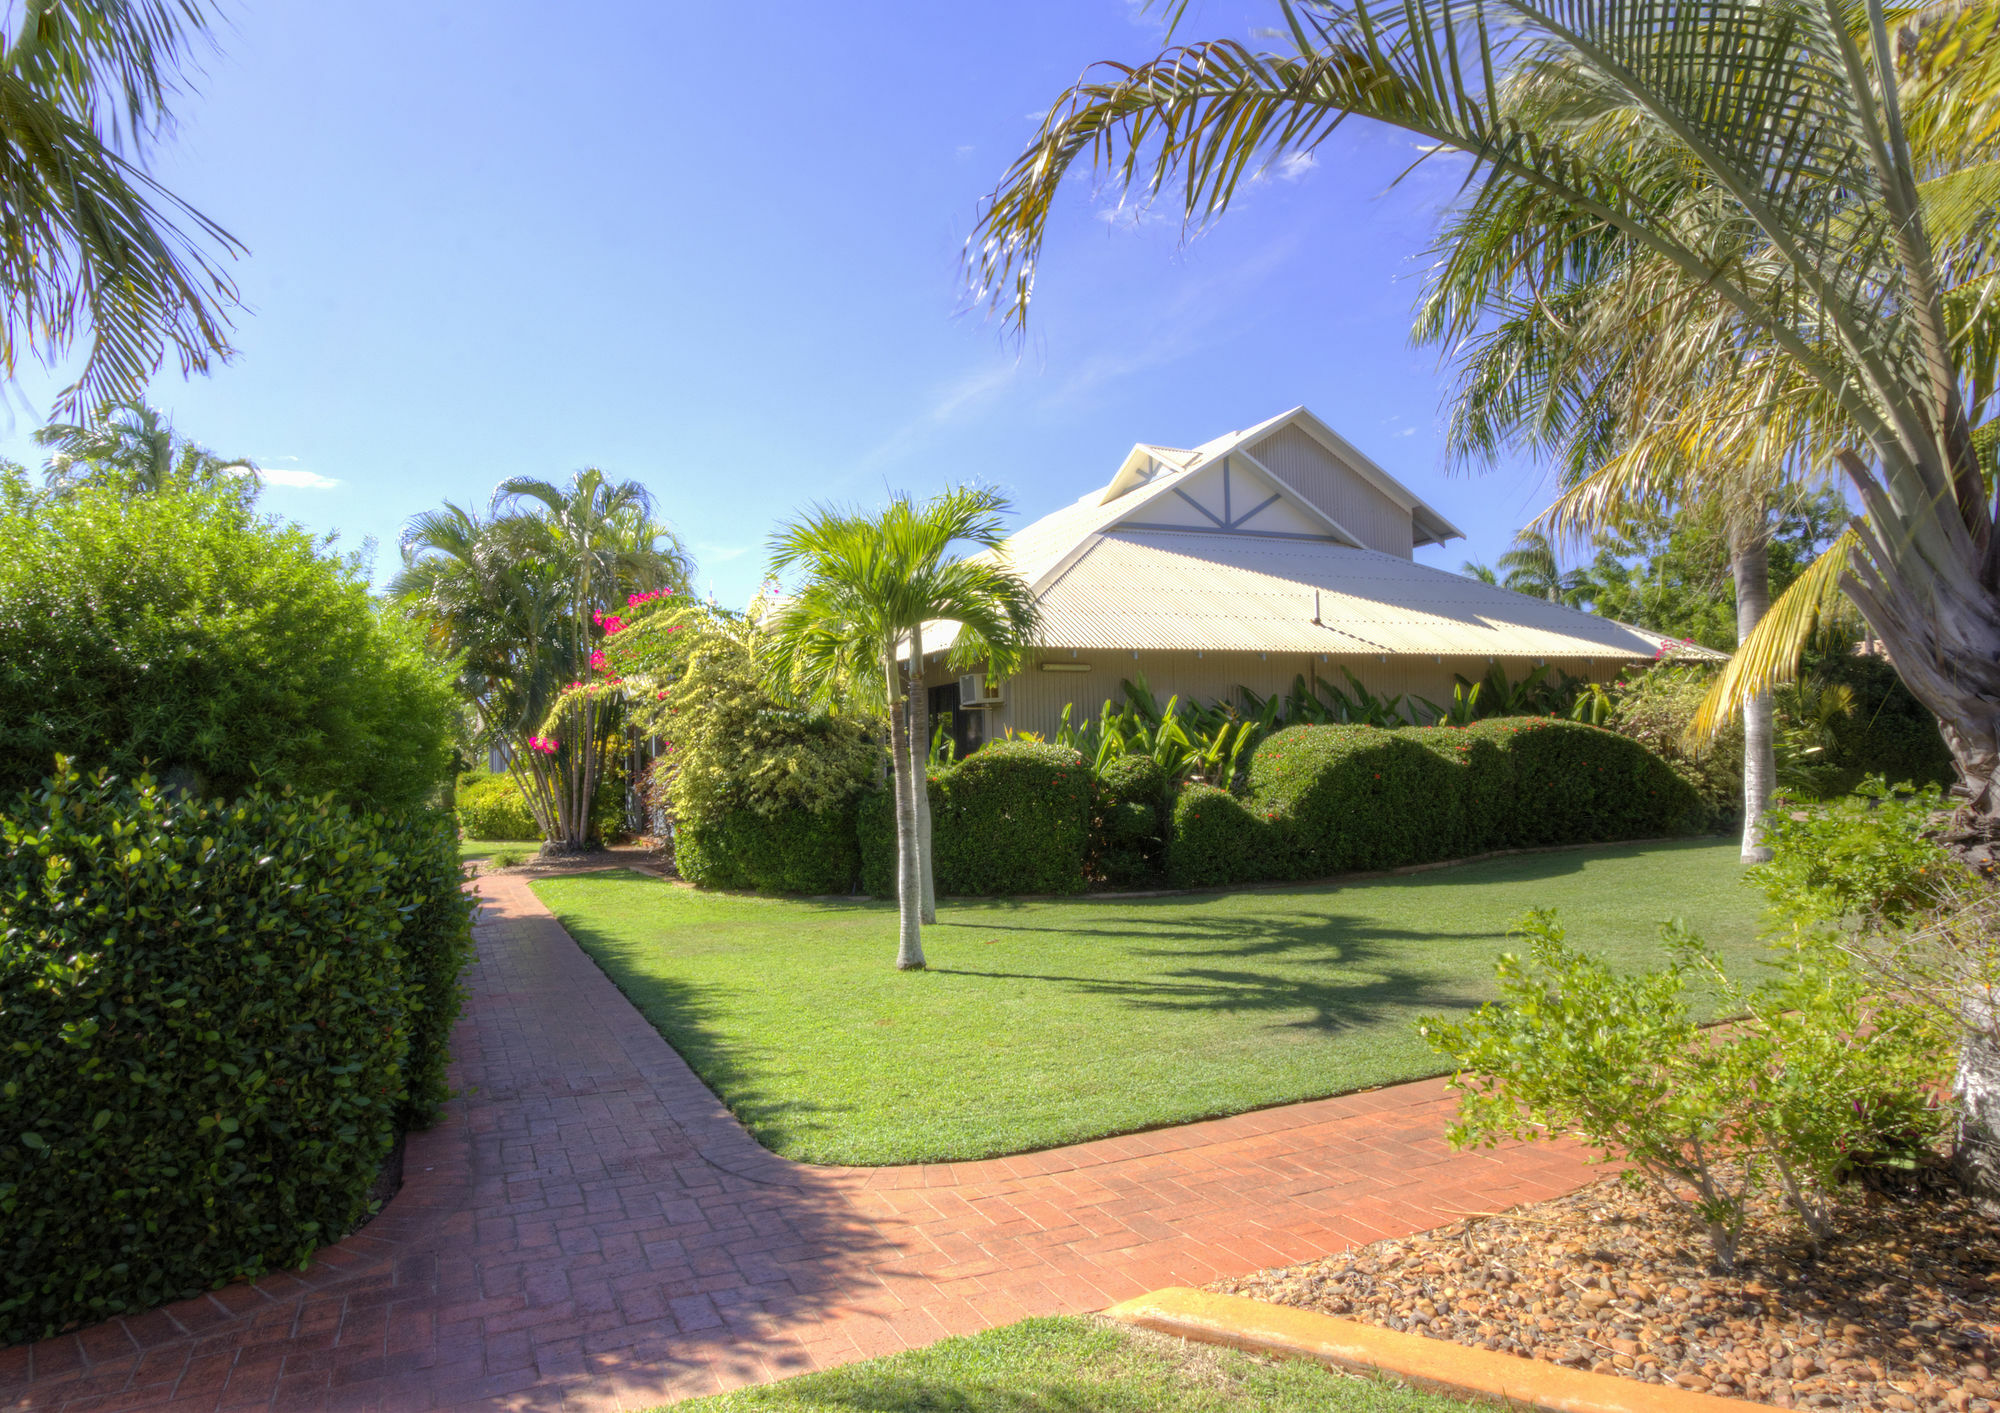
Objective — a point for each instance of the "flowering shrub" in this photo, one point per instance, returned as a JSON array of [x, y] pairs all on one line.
[[1217, 839]]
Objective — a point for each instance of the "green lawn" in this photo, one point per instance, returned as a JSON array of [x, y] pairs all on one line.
[[1043, 1023], [1070, 1365], [480, 850]]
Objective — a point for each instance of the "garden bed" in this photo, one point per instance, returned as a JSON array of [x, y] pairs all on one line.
[[1895, 1314]]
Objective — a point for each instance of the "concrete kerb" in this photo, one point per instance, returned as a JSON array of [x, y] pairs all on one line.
[[1440, 1366]]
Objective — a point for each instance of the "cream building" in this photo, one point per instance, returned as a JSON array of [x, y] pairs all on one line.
[[1249, 561]]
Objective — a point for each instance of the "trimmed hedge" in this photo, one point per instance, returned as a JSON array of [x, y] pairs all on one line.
[[1335, 799], [1354, 797], [214, 1017], [1134, 799], [793, 851], [1012, 817], [1217, 839], [1576, 784]]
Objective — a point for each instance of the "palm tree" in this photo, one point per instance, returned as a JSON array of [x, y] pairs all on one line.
[[1772, 179], [515, 596], [869, 586], [1530, 567], [91, 247], [132, 444], [1473, 569]]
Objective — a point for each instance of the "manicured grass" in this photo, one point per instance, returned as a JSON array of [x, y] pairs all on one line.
[[480, 850], [1044, 1023], [1070, 1365]]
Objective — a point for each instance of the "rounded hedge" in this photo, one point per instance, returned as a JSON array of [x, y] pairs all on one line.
[[1576, 784], [1015, 818], [214, 1018], [1134, 800], [793, 851], [1216, 838], [493, 807], [1354, 797], [181, 633]]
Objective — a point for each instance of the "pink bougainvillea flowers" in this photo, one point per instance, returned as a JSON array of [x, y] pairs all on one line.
[[544, 745]]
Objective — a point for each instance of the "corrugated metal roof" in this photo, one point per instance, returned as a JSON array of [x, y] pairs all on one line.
[[1165, 591]]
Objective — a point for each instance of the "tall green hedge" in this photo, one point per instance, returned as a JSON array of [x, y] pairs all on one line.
[[1334, 799], [213, 1019], [1013, 817], [1134, 799], [792, 851], [1355, 797]]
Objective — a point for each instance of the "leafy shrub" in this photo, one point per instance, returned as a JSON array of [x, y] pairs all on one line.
[[1889, 732], [1014, 818], [179, 632], [215, 1016], [1218, 839], [491, 807], [1134, 795], [1863, 858], [1356, 797], [1575, 784], [1655, 708], [1814, 1075], [797, 851], [1483, 819]]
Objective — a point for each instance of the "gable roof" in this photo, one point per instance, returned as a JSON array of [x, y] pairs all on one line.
[[1106, 578]]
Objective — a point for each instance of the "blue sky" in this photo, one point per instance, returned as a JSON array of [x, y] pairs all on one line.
[[714, 249]]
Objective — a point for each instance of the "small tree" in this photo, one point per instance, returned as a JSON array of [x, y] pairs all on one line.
[[869, 585]]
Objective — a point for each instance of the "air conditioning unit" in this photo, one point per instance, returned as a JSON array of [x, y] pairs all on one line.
[[977, 689]]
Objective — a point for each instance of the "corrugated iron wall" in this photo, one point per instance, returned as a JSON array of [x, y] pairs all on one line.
[[1034, 699], [1305, 465]]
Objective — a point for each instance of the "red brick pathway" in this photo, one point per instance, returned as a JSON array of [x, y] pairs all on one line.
[[589, 1228]]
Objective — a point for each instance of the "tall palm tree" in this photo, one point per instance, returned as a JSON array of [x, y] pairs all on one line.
[[868, 586], [516, 595], [1530, 567], [91, 247], [1771, 177]]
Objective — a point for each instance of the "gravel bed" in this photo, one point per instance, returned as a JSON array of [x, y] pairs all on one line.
[[1901, 1311]]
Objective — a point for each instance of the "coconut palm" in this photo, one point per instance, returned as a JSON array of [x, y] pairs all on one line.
[[517, 595], [1530, 567], [1773, 180], [1473, 569], [868, 586], [91, 247]]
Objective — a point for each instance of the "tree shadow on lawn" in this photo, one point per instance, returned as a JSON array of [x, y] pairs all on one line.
[[1370, 980]]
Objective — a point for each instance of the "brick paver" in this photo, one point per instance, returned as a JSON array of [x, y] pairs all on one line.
[[588, 1227]]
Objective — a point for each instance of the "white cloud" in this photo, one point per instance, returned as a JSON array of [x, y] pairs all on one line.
[[1293, 165], [295, 479], [721, 554]]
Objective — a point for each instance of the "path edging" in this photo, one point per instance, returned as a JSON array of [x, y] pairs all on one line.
[[1439, 1366]]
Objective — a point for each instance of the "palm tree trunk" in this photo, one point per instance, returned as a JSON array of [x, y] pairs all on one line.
[[910, 942], [920, 761], [1750, 566]]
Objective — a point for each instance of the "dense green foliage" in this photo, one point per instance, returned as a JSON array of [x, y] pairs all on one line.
[[1355, 797], [792, 851], [214, 1018], [1074, 1364], [1656, 707], [492, 806], [1013, 817], [1335, 799], [1862, 860], [1817, 1074], [1138, 1012], [1217, 839], [180, 632], [1888, 732], [1134, 798]]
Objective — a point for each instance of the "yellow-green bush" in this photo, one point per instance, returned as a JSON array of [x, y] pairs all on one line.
[[214, 1019]]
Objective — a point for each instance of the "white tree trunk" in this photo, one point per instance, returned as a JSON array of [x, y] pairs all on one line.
[[1750, 565], [910, 942], [1976, 1087], [920, 753]]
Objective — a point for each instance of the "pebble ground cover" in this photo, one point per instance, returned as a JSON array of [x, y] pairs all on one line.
[[1043, 1023], [1894, 1314]]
